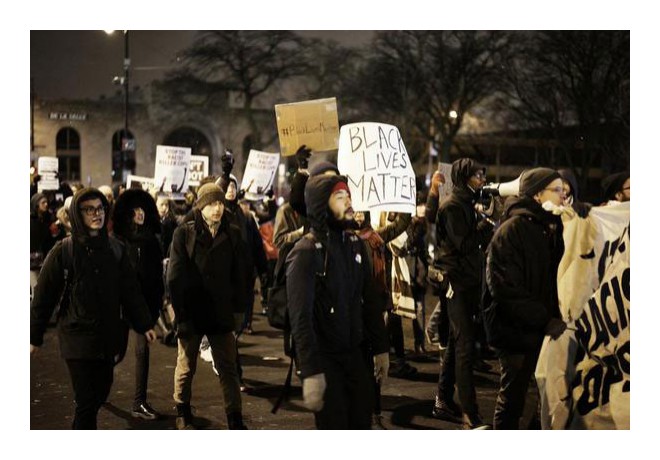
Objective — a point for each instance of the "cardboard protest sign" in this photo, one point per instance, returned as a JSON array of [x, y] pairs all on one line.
[[146, 183], [594, 292], [48, 168], [172, 172], [312, 123], [379, 170], [199, 169], [259, 175]]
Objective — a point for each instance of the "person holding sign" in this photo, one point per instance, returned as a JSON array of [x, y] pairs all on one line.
[[331, 311]]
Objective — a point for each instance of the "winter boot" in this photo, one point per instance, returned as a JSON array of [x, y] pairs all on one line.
[[184, 417], [235, 421]]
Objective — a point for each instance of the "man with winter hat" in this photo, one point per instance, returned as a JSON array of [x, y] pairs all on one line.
[[616, 187], [521, 304], [462, 238], [93, 276], [207, 289]]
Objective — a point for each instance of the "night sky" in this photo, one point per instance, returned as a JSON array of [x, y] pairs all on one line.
[[81, 64]]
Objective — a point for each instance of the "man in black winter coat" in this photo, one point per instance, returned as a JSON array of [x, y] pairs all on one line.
[[206, 279], [331, 312], [102, 288], [521, 305], [462, 238]]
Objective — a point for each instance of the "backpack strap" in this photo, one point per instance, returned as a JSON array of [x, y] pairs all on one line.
[[67, 260]]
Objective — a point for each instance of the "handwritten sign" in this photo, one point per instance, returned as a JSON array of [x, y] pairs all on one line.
[[259, 174], [145, 183], [172, 172], [380, 174], [199, 169], [312, 123], [48, 168]]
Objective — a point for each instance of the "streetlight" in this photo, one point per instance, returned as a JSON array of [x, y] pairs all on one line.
[[126, 144]]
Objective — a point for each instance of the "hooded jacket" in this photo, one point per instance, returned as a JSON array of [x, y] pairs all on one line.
[[460, 240], [329, 305], [521, 274], [142, 244], [102, 291], [41, 239]]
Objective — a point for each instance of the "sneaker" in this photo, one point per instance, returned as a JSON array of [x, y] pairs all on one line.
[[184, 418], [474, 422], [402, 370], [446, 410], [144, 411]]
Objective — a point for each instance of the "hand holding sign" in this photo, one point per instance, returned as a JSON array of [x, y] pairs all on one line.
[[379, 170]]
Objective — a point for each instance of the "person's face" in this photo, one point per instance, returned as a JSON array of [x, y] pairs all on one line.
[[554, 193], [213, 212], [163, 206], [359, 218], [341, 206], [477, 180], [138, 216], [231, 192], [624, 194], [567, 192], [93, 214], [42, 205]]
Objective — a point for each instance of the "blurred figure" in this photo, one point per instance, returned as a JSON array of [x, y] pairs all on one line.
[[616, 188]]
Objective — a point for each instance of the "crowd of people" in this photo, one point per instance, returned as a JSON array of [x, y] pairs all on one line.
[[105, 260]]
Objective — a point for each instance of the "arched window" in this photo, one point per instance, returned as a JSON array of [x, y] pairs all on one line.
[[123, 155], [67, 145], [192, 138]]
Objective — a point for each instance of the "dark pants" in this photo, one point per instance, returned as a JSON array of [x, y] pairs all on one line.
[[91, 380], [459, 355], [395, 329], [517, 370], [141, 368], [348, 399]]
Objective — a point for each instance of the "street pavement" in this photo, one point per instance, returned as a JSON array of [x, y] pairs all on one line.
[[406, 403]]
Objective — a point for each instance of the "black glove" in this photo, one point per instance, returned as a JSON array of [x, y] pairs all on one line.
[[302, 156], [240, 195], [227, 161], [184, 329], [582, 209], [270, 193]]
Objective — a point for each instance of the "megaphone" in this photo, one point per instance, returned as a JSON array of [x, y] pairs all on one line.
[[503, 189]]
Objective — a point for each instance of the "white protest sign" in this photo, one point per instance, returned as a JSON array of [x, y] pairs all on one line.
[[48, 168], [146, 183], [379, 170], [259, 175], [172, 172], [199, 169], [590, 385]]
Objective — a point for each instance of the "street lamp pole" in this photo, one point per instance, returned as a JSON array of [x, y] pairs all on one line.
[[124, 146]]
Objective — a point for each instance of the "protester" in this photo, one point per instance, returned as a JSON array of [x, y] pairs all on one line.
[[207, 286], [331, 311], [521, 304], [616, 188], [572, 199], [137, 224], [98, 287]]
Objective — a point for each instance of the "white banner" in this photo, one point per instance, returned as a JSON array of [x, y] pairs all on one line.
[[172, 172], [259, 175], [147, 183], [379, 170], [48, 167], [199, 169], [584, 377]]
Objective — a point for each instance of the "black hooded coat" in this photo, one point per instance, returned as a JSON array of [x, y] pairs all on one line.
[[461, 242], [330, 307], [41, 239], [103, 290], [521, 273]]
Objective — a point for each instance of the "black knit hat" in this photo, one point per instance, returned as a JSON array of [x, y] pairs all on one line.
[[534, 180], [613, 184], [207, 194]]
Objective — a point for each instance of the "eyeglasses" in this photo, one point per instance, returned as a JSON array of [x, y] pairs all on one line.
[[92, 211], [559, 190]]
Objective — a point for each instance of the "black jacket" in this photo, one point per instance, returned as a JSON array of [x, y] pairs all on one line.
[[41, 239], [103, 290], [207, 289], [461, 239], [521, 274], [328, 301]]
